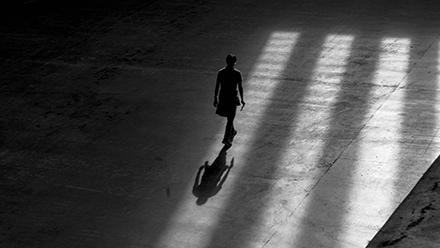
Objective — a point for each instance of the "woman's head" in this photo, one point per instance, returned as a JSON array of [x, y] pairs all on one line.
[[231, 59]]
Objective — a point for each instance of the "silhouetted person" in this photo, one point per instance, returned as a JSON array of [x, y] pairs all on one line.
[[228, 80], [212, 180]]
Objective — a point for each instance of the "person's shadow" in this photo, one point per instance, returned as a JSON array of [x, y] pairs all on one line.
[[213, 177]]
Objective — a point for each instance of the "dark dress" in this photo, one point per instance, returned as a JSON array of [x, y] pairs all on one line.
[[228, 78]]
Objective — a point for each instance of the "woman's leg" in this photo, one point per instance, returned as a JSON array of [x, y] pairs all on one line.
[[230, 130], [229, 125]]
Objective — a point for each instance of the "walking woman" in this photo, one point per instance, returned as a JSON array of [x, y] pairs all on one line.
[[228, 81]]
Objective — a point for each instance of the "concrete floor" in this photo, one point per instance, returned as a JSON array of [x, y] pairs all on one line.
[[106, 117]]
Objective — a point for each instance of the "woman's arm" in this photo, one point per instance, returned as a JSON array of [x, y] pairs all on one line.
[[217, 87], [240, 90]]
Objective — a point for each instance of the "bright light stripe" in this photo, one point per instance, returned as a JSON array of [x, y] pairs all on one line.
[[431, 152], [271, 63], [322, 90], [437, 107], [372, 182], [307, 139], [263, 80], [432, 149], [192, 225]]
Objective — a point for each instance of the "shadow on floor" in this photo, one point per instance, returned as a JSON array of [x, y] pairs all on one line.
[[213, 177]]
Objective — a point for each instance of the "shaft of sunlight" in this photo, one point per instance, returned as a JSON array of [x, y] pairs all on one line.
[[265, 75], [437, 89], [263, 80], [377, 164], [304, 146]]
